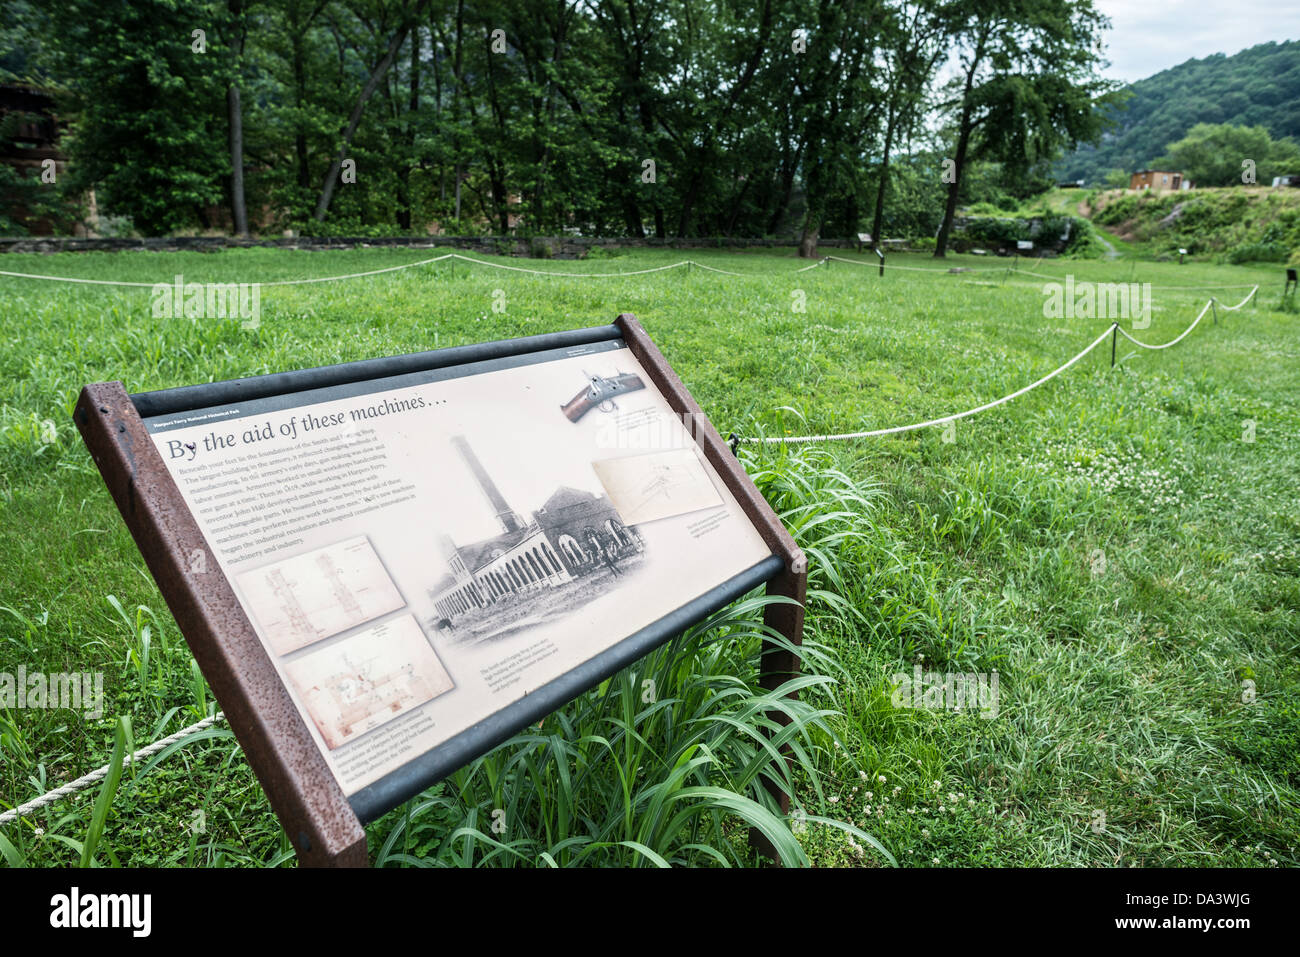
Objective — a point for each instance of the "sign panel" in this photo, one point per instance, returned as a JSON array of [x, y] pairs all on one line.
[[417, 552]]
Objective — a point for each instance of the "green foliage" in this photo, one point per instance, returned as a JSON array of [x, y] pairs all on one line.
[[1217, 155], [150, 131], [1258, 87], [1240, 224], [349, 226], [1259, 253], [547, 125]]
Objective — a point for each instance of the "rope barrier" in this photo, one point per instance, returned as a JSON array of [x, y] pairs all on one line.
[[725, 272], [1171, 342], [376, 272], [578, 275], [86, 780], [1250, 295], [1027, 272], [1114, 328], [582, 275], [794, 439]]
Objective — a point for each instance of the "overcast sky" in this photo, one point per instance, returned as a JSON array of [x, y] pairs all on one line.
[[1148, 36]]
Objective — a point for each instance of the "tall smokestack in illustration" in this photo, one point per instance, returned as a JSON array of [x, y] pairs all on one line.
[[507, 516]]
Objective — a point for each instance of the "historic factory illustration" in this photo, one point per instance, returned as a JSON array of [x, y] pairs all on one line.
[[573, 536]]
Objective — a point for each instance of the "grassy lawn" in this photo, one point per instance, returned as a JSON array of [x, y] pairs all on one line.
[[1110, 544]]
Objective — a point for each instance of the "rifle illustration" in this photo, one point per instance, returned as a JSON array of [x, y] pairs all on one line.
[[600, 392]]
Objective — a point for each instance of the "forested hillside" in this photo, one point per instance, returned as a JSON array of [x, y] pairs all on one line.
[[1256, 87]]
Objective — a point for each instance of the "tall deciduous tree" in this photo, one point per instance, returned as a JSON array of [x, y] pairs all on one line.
[[1027, 85], [148, 95], [367, 90]]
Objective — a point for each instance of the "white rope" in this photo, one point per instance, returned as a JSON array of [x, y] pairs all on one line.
[[277, 282], [1171, 342], [375, 272], [89, 282], [1027, 272], [947, 418], [579, 275], [1249, 296], [725, 272], [793, 439], [357, 275], [86, 780], [586, 275]]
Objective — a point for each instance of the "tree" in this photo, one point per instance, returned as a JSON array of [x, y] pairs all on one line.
[[915, 28], [1027, 85], [367, 90], [239, 212], [1213, 154], [149, 98]]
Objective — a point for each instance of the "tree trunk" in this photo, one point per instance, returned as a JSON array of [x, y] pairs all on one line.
[[238, 210], [404, 215], [376, 75], [812, 228], [878, 220], [950, 208], [963, 142], [300, 136]]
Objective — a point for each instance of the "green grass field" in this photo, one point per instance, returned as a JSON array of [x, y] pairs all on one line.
[[1111, 544]]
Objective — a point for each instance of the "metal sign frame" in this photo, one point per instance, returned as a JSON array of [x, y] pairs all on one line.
[[324, 825]]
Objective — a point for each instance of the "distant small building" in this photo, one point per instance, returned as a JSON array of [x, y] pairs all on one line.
[[1158, 179], [1291, 180]]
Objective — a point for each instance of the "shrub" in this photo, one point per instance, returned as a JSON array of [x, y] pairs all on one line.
[[1259, 253]]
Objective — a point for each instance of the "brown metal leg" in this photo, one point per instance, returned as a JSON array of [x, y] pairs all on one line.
[[779, 665]]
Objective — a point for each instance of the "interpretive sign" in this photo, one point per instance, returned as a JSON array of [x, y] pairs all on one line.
[[386, 568]]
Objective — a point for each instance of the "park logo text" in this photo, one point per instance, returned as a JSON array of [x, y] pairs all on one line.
[[1098, 300], [75, 909], [208, 300], [947, 691], [76, 692]]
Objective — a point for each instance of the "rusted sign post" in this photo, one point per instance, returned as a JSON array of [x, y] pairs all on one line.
[[353, 648]]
